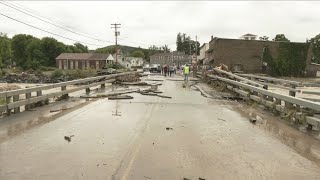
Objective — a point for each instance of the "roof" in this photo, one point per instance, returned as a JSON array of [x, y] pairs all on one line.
[[110, 58], [131, 58], [248, 34], [83, 56], [170, 53]]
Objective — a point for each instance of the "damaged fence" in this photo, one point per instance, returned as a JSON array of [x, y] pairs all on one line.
[[304, 110], [13, 100]]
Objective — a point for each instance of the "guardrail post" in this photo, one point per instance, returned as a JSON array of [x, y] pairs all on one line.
[[8, 100], [103, 85], [28, 106], [293, 93], [39, 93], [16, 98], [87, 90]]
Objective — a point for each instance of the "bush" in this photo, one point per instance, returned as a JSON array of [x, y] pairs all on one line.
[[57, 73], [46, 68], [3, 72], [114, 66], [79, 73]]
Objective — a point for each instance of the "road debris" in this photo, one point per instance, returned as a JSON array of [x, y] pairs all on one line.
[[164, 96], [221, 119], [68, 138], [169, 128], [201, 178], [147, 177], [129, 78], [120, 97], [112, 93], [253, 120], [57, 110], [135, 83]]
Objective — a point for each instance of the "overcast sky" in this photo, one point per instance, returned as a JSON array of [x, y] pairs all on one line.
[[146, 23]]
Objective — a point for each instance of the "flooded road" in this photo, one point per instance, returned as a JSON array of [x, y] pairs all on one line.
[[148, 137]]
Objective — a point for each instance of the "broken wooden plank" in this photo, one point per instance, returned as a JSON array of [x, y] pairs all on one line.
[[113, 93], [120, 97]]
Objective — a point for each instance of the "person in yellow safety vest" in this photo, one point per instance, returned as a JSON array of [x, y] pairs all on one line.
[[186, 71]]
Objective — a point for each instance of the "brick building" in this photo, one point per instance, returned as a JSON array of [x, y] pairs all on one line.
[[175, 57], [246, 55], [83, 60], [240, 55]]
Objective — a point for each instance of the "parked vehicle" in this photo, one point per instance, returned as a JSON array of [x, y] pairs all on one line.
[[146, 67], [155, 68]]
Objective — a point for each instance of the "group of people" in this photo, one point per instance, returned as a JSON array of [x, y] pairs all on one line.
[[167, 70]]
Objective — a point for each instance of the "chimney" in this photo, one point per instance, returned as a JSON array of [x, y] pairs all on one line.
[[211, 37]]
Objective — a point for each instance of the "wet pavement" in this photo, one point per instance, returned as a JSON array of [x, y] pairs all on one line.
[[133, 139]]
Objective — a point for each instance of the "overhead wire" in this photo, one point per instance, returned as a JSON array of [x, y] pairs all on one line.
[[47, 31], [61, 27]]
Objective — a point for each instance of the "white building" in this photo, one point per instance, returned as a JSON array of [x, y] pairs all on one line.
[[110, 59], [249, 37], [133, 62]]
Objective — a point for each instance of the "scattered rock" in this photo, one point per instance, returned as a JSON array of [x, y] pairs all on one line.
[[253, 120], [169, 128], [147, 177], [201, 178]]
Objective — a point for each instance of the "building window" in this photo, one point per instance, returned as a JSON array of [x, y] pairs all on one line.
[[60, 64], [71, 64], [76, 64], [97, 64], [65, 64]]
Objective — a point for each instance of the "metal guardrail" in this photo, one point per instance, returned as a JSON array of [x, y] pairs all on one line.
[[17, 102]]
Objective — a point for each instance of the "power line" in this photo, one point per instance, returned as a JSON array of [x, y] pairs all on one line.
[[52, 23], [46, 30], [32, 11]]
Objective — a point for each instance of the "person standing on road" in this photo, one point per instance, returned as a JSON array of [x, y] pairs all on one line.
[[171, 70], [186, 71], [175, 69], [165, 70]]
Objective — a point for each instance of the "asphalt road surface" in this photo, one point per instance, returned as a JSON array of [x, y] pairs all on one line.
[[188, 136]]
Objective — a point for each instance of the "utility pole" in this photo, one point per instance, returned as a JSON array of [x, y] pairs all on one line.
[[116, 34], [196, 49], [190, 51]]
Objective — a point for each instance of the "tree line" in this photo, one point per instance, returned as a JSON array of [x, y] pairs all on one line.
[[29, 52]]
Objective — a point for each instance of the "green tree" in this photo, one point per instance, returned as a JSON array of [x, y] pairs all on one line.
[[35, 55], [280, 37], [315, 44], [51, 48], [165, 48], [138, 54], [264, 38], [19, 45], [81, 48], [179, 42], [187, 45], [5, 50]]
